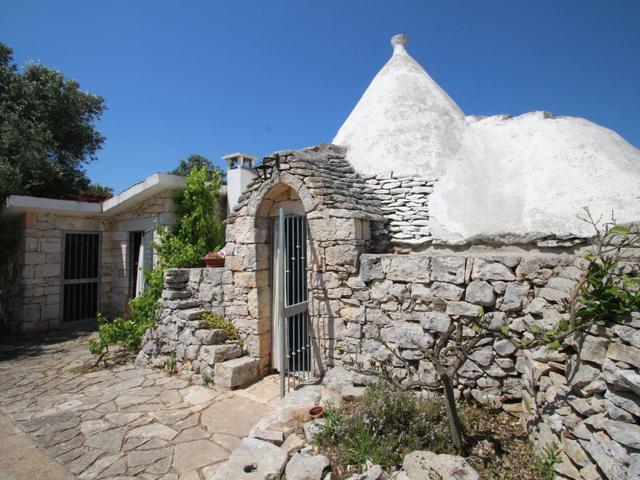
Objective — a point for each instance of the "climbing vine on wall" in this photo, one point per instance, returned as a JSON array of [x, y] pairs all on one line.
[[198, 231]]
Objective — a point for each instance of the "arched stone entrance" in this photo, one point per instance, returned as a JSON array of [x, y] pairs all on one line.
[[309, 183]]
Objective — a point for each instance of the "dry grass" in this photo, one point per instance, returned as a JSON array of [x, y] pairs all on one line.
[[512, 455]]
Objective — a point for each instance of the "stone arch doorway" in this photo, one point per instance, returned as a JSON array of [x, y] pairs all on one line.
[[287, 276], [253, 234], [310, 182]]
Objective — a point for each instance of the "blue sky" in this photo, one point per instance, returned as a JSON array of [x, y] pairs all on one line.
[[214, 77]]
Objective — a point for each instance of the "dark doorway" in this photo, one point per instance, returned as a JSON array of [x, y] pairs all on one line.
[[80, 276], [135, 240]]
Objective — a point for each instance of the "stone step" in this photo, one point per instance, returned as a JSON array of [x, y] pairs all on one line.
[[211, 337], [181, 304], [214, 354], [236, 373], [190, 314], [175, 294]]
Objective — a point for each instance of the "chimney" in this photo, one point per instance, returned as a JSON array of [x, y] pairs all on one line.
[[240, 171]]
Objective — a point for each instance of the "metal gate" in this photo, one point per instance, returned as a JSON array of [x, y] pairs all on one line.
[[295, 359], [80, 276]]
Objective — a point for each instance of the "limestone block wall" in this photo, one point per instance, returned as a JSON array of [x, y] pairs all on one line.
[[35, 306], [587, 401], [38, 302], [404, 302]]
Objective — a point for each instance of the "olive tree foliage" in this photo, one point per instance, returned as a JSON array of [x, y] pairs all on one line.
[[47, 131], [606, 290]]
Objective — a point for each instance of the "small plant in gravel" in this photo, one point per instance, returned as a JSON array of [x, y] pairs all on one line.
[[206, 379], [215, 321], [170, 364]]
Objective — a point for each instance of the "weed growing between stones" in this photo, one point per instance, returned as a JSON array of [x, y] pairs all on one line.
[[546, 461], [216, 322], [170, 365], [206, 379]]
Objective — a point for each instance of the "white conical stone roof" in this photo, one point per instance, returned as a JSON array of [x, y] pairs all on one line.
[[499, 178], [404, 122]]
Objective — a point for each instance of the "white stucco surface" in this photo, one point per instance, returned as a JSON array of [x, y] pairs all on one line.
[[499, 178], [532, 175], [404, 122]]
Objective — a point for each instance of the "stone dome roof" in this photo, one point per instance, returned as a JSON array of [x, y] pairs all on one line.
[[500, 178], [404, 122]]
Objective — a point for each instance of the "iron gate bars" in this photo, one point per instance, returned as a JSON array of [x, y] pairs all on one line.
[[80, 276], [296, 358]]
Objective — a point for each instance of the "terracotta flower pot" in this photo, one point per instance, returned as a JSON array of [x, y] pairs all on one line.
[[316, 412], [214, 261]]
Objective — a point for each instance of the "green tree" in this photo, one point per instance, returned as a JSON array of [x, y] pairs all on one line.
[[47, 131], [192, 162], [98, 189], [47, 135]]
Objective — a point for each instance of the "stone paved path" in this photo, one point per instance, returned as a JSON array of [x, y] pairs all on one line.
[[124, 422]]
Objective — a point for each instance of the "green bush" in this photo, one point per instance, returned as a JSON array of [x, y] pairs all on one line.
[[127, 333], [197, 232], [385, 426]]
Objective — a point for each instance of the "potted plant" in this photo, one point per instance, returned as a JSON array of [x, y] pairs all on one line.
[[214, 259]]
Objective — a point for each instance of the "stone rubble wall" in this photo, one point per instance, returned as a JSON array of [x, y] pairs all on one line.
[[404, 203], [407, 301], [183, 335], [588, 402]]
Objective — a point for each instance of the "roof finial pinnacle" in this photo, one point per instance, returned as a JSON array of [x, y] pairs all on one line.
[[399, 41]]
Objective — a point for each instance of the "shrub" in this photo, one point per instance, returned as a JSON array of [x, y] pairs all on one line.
[[386, 425], [127, 333]]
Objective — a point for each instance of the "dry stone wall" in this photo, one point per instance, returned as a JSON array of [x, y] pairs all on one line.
[[587, 401], [406, 302], [404, 202], [339, 208], [182, 336]]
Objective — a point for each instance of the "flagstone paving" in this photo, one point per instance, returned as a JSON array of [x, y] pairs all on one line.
[[125, 422]]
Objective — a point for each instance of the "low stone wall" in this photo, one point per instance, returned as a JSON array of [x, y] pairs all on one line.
[[406, 301], [181, 333], [588, 402]]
